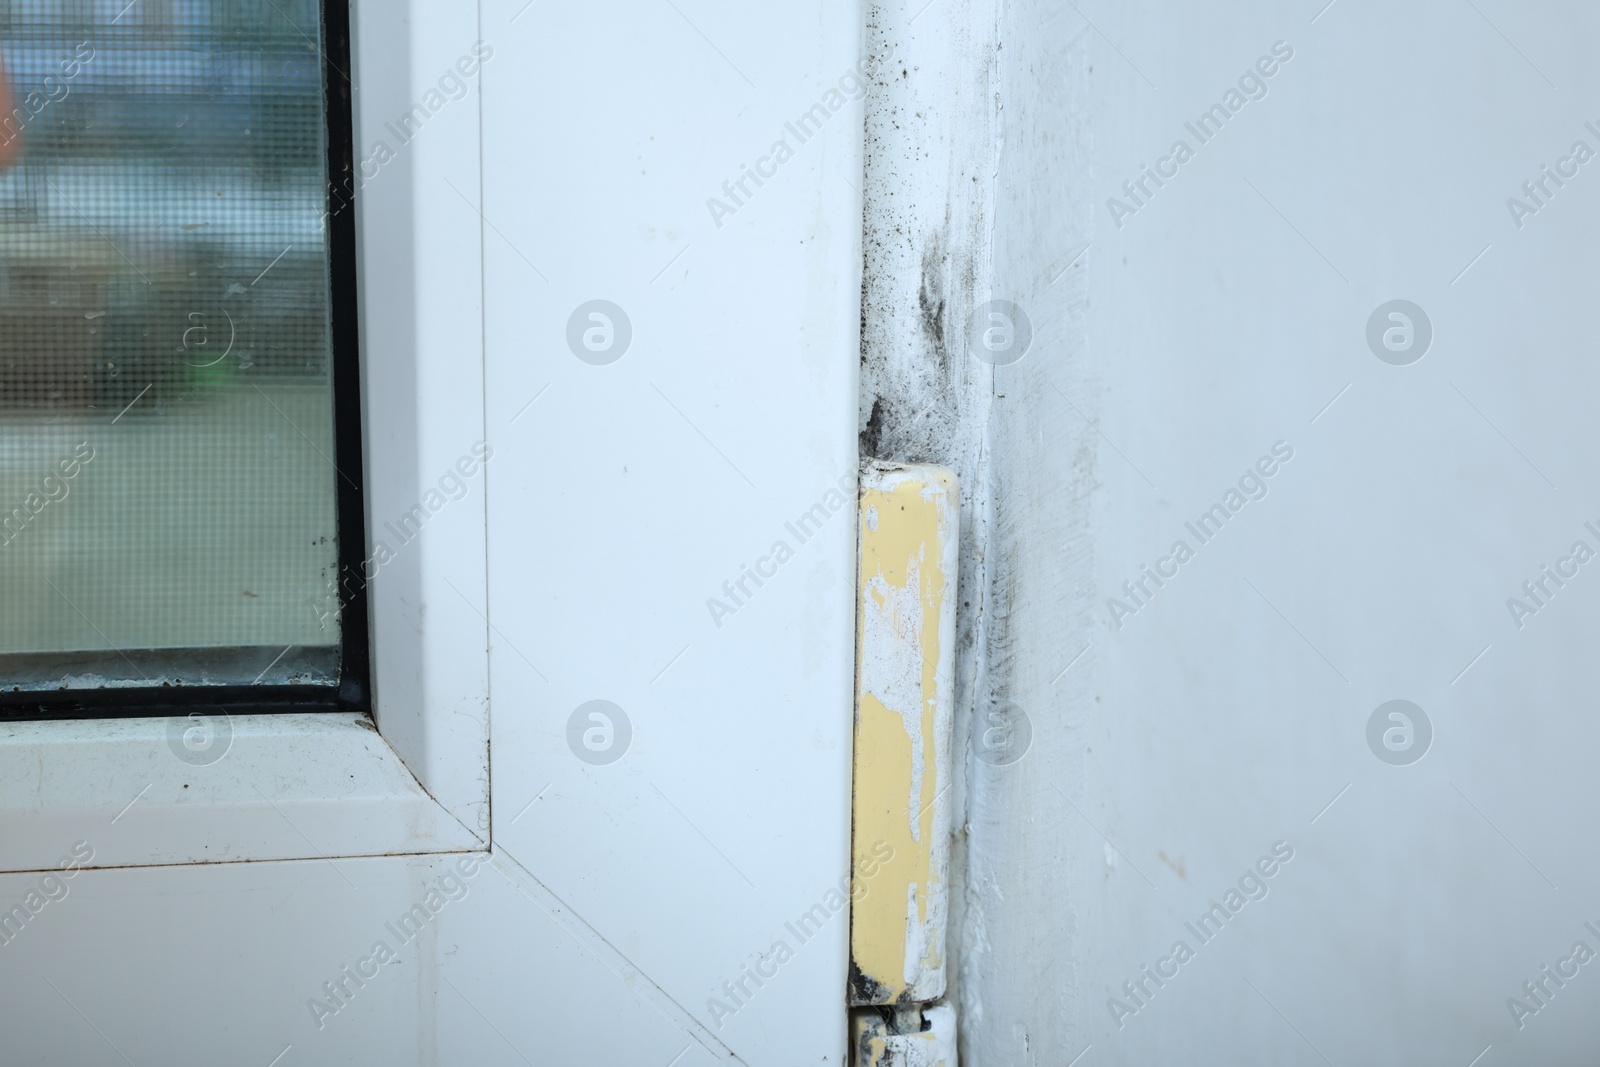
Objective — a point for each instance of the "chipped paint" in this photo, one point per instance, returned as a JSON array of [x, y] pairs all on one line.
[[933, 151], [904, 713], [916, 1037]]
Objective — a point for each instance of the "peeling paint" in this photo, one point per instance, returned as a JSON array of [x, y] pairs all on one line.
[[914, 1037], [904, 715], [932, 152]]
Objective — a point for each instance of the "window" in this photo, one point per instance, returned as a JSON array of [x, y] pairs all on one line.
[[181, 519]]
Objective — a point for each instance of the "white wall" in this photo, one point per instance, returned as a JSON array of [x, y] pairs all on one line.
[[1225, 715]]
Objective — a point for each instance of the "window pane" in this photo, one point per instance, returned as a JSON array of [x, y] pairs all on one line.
[[167, 479]]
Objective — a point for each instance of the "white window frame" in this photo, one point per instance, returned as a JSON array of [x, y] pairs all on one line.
[[327, 785]]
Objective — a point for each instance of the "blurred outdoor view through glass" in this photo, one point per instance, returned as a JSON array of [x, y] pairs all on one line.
[[167, 487]]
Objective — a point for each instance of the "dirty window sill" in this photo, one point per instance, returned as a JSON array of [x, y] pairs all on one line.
[[281, 787]]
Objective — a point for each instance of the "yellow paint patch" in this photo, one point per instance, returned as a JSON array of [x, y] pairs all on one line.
[[904, 709]]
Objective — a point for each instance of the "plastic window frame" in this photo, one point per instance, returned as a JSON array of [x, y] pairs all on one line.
[[413, 776]]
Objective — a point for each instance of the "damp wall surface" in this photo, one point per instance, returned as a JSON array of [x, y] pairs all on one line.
[[1204, 342]]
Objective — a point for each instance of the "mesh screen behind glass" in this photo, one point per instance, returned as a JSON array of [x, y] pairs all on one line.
[[167, 487]]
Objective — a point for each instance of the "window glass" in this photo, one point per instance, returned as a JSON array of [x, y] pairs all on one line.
[[168, 488]]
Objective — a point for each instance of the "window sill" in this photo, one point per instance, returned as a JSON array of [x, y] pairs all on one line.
[[298, 786]]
